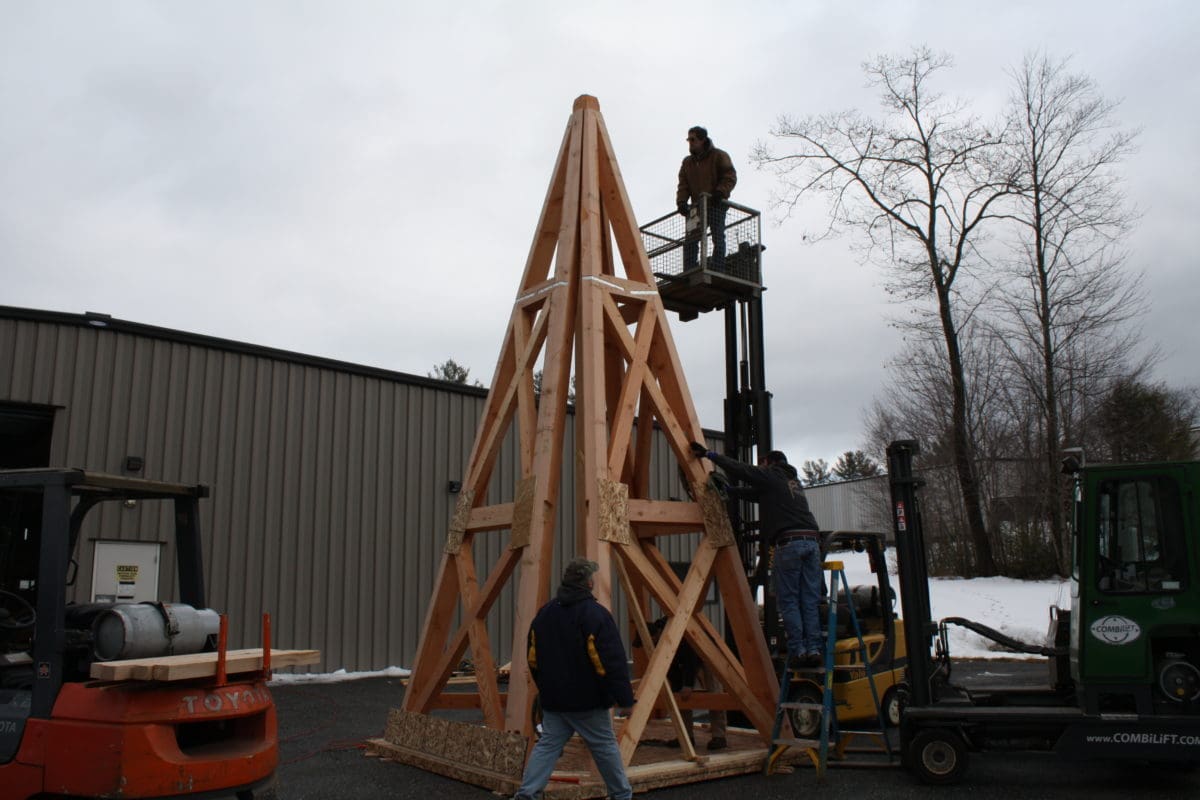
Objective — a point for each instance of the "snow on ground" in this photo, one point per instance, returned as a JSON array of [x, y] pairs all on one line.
[[1020, 609], [285, 679]]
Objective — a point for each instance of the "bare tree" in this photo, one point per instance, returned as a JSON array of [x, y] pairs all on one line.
[[917, 184], [1072, 290]]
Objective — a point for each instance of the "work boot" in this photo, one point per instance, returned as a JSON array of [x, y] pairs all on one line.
[[717, 743], [811, 660]]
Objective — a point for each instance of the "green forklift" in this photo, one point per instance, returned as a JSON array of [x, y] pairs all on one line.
[[1123, 662]]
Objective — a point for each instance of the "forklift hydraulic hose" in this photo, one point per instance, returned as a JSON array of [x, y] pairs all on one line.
[[1012, 644]]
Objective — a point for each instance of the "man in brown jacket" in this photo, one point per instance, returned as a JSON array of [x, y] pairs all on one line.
[[707, 170]]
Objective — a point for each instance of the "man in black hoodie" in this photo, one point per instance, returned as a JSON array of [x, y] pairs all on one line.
[[789, 526], [579, 666]]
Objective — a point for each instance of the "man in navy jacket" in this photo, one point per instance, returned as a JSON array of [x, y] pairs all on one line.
[[579, 665]]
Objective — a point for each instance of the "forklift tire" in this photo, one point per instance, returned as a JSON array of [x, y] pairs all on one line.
[[806, 723], [894, 701], [937, 756]]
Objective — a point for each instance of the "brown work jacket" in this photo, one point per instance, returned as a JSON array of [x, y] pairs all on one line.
[[712, 171]]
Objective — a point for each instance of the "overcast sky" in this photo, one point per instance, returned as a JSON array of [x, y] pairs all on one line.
[[361, 181]]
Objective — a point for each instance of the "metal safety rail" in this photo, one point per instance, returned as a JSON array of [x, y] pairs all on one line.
[[692, 272]]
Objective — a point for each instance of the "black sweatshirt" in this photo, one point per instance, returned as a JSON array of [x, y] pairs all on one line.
[[778, 492]]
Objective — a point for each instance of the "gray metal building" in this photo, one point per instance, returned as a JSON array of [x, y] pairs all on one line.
[[331, 482], [862, 504]]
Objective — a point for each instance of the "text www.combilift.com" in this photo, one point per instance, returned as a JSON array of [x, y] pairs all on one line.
[[1144, 738]]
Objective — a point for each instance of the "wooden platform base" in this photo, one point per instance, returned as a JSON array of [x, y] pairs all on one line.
[[495, 760]]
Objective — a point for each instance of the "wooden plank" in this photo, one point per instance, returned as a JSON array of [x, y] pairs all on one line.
[[500, 406], [426, 678], [436, 671], [591, 426], [198, 665], [635, 379], [741, 611], [527, 401], [643, 630], [666, 512], [701, 634], [481, 646], [680, 617], [620, 211], [490, 518], [533, 586]]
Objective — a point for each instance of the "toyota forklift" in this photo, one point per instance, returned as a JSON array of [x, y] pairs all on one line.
[[65, 734], [1122, 663]]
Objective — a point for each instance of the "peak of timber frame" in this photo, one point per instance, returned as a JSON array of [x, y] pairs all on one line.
[[572, 301]]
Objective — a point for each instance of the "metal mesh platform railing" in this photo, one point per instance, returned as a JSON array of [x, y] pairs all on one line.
[[708, 258]]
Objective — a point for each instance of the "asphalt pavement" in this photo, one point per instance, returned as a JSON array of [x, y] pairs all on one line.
[[322, 728]]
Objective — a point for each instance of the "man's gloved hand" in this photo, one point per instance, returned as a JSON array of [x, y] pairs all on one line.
[[682, 208], [698, 450]]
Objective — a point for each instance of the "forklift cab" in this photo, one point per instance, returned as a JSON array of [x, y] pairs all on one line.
[[1135, 599]]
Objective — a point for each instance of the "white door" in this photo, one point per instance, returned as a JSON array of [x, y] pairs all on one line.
[[125, 572]]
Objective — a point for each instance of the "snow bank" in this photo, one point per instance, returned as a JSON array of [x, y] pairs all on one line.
[[1020, 609]]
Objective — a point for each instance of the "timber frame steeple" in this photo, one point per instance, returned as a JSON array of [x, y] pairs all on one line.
[[571, 302]]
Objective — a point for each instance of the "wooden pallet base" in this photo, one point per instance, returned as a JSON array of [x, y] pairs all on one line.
[[421, 741]]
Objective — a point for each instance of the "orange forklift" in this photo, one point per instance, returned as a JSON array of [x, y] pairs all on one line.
[[64, 734]]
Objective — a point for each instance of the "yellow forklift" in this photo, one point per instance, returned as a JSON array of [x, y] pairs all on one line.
[[883, 635]]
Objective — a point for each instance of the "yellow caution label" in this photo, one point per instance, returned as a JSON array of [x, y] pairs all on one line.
[[127, 573]]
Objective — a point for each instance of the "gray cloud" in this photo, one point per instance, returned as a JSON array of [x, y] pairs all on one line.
[[361, 181]]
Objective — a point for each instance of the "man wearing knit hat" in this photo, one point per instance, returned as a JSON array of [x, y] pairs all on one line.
[[579, 665], [707, 170]]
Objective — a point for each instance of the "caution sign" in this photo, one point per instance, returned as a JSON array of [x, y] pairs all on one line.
[[127, 573]]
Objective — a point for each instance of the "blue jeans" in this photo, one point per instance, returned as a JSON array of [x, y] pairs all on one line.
[[716, 226], [595, 728], [798, 586]]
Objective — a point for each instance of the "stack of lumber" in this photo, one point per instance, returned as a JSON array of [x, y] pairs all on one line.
[[198, 665]]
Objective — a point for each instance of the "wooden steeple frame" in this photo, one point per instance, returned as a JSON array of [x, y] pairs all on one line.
[[628, 378]]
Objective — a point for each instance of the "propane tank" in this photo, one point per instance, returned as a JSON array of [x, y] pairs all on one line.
[[145, 630]]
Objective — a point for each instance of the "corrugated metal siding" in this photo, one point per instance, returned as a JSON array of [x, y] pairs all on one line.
[[858, 505], [329, 503]]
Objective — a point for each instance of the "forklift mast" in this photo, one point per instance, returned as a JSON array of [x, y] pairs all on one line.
[[693, 278], [919, 628]]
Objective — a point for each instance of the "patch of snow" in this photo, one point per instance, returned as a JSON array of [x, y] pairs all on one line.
[[286, 679], [1020, 609]]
